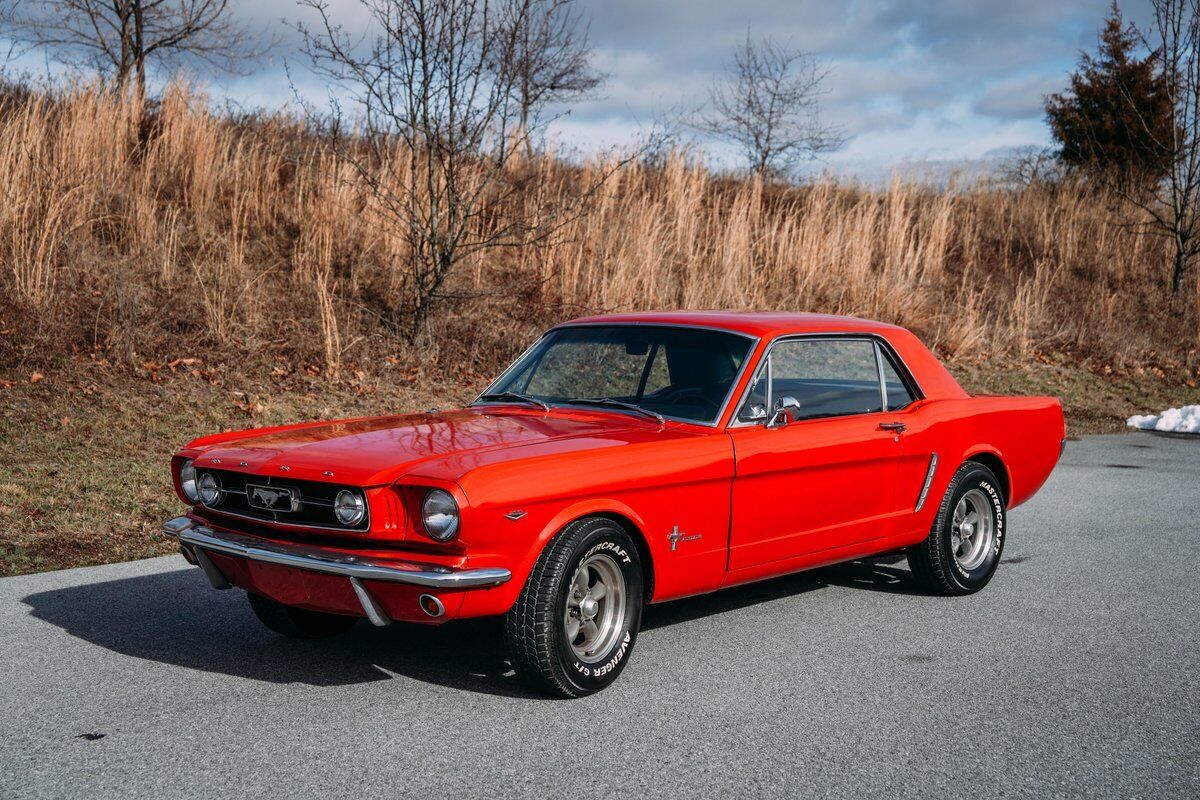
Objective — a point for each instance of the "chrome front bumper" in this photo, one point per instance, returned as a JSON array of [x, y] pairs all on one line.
[[201, 539]]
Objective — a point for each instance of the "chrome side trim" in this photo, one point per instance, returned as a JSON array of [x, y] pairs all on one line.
[[370, 605], [201, 538], [928, 480]]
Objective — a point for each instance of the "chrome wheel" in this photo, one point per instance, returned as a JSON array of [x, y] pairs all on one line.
[[595, 607], [973, 530]]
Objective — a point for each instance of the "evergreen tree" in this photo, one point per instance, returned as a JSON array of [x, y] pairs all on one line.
[[1116, 118]]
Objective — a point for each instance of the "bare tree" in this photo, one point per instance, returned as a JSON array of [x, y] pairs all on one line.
[[1173, 204], [1031, 168], [7, 46], [120, 37], [552, 58], [440, 113], [767, 105]]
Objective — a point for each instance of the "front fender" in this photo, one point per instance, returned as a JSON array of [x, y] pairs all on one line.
[[530, 535]]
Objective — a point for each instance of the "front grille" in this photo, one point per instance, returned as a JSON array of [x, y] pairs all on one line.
[[314, 506]]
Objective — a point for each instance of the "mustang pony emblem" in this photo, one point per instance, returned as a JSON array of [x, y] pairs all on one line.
[[272, 499], [676, 536]]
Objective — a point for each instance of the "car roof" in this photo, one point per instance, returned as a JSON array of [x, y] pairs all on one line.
[[763, 324]]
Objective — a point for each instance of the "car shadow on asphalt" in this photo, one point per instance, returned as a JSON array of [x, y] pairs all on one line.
[[176, 618]]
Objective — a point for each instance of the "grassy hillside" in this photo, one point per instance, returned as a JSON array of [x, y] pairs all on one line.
[[180, 270]]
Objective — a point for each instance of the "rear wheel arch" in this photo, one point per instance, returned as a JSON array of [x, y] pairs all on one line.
[[992, 461]]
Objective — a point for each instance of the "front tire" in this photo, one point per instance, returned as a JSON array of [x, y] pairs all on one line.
[[572, 629], [298, 623], [963, 548]]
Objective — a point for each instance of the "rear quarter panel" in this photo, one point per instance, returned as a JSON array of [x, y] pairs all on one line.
[[1024, 433]]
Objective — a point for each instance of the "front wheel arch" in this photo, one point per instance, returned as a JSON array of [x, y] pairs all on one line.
[[611, 509], [643, 547]]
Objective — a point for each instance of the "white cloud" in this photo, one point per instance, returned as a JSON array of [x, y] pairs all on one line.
[[1020, 97], [911, 80]]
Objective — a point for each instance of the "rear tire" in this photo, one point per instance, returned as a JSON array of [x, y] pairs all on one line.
[[298, 623], [963, 548], [572, 629]]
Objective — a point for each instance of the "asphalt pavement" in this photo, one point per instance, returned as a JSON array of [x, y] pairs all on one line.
[[1076, 673]]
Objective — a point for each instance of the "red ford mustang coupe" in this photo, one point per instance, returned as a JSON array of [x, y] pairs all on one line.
[[622, 460]]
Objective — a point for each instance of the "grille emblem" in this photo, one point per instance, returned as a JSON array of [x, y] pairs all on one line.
[[272, 498]]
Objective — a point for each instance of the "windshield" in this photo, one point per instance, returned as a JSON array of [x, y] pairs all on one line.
[[678, 372]]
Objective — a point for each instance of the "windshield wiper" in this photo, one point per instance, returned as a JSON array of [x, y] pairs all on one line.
[[608, 401], [523, 398]]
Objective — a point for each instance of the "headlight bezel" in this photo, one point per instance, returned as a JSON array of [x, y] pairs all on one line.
[[443, 507], [357, 502], [187, 481], [216, 484]]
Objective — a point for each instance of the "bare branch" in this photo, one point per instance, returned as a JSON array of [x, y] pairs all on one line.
[[8, 44], [767, 104], [552, 58], [1172, 205], [119, 38]]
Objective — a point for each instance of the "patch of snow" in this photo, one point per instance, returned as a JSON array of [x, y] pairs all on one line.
[[1176, 420]]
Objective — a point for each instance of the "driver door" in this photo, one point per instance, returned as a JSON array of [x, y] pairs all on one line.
[[823, 479]]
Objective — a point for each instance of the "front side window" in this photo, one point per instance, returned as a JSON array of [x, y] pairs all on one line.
[[825, 378], [678, 372]]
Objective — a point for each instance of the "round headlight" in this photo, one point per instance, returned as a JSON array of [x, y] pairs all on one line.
[[187, 481], [210, 490], [440, 513], [349, 507]]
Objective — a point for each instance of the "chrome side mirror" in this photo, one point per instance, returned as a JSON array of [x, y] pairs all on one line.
[[787, 410]]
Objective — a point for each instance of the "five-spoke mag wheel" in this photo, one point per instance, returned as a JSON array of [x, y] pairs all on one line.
[[595, 607], [973, 530]]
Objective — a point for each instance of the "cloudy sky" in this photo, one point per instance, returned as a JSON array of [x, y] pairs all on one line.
[[912, 81]]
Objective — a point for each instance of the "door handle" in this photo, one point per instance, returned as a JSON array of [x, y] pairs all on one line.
[[898, 427]]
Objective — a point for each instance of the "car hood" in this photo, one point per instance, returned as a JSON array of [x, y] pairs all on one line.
[[378, 450]]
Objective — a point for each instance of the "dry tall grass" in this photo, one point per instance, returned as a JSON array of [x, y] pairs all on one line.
[[190, 231]]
